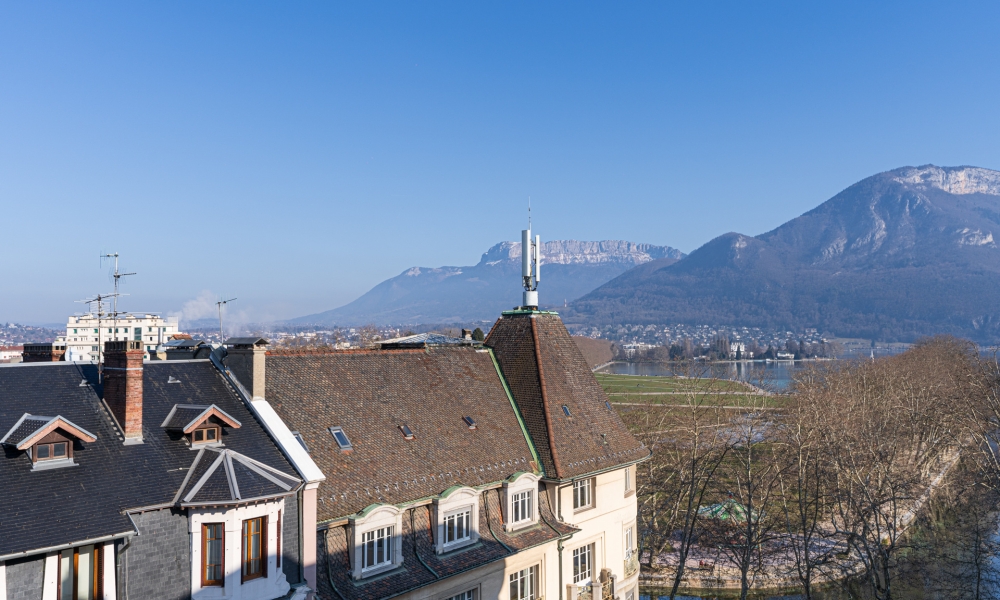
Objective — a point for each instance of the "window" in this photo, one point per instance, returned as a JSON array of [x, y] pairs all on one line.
[[302, 442], [607, 404], [520, 507], [524, 584], [376, 548], [629, 543], [566, 410], [341, 439], [457, 526], [583, 493], [205, 435], [628, 479], [583, 564], [470, 422], [469, 595], [53, 451], [81, 573], [630, 595], [213, 570], [254, 548], [406, 431]]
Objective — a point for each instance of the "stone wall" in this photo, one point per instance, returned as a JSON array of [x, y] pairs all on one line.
[[24, 578], [158, 563]]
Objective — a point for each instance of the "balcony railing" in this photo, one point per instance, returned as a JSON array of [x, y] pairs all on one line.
[[632, 565]]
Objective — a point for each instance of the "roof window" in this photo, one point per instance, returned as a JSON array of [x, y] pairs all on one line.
[[566, 410], [608, 404], [407, 432], [298, 436], [470, 422], [341, 438], [172, 379]]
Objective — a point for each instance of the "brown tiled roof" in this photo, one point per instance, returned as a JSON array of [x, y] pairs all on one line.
[[369, 393], [546, 371], [334, 576]]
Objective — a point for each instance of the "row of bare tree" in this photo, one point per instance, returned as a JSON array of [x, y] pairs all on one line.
[[863, 474]]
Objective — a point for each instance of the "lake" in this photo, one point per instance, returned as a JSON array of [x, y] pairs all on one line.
[[769, 375]]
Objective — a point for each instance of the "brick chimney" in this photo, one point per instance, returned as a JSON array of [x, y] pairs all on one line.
[[245, 358], [123, 386], [46, 352]]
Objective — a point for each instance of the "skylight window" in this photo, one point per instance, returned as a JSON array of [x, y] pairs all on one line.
[[566, 410], [470, 422], [298, 436], [341, 439], [608, 404], [407, 432]]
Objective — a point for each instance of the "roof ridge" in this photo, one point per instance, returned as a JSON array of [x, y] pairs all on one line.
[[545, 401]]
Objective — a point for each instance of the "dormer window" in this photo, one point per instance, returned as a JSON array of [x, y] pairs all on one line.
[[47, 441], [200, 424], [205, 435], [456, 518], [520, 501], [50, 451]]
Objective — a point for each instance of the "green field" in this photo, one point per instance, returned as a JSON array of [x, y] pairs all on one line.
[[683, 391]]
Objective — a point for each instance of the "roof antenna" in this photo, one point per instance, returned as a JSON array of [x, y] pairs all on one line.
[[117, 277], [530, 259], [220, 304]]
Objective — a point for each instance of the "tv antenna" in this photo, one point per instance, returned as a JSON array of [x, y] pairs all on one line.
[[99, 300], [220, 304], [117, 277]]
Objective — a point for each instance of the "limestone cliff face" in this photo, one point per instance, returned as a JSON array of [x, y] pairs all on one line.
[[570, 252], [480, 292]]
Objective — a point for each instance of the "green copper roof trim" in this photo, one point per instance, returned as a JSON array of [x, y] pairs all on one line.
[[517, 412], [526, 311]]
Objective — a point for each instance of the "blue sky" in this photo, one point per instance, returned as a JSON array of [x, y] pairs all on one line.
[[295, 154]]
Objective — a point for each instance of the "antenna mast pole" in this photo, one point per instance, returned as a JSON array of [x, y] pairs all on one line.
[[117, 275], [220, 304], [531, 249]]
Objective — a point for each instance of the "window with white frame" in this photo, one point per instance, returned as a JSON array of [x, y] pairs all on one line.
[[458, 526], [376, 543], [628, 479], [376, 548], [583, 493], [630, 595], [629, 542], [583, 564], [520, 507], [524, 584], [466, 595]]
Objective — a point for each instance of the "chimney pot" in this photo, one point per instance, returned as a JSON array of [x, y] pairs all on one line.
[[123, 385]]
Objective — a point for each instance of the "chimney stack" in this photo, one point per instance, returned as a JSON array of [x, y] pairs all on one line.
[[45, 352], [123, 386], [245, 358]]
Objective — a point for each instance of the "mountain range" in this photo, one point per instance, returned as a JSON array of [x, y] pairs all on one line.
[[899, 255], [569, 270]]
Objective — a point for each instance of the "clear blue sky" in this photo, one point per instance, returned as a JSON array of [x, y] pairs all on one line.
[[294, 154]]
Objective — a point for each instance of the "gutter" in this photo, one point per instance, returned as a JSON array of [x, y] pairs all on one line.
[[600, 471], [96, 540], [517, 413]]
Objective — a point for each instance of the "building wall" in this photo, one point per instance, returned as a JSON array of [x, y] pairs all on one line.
[[158, 563], [291, 563], [24, 578], [604, 525]]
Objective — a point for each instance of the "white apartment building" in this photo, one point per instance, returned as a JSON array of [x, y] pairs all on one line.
[[86, 334]]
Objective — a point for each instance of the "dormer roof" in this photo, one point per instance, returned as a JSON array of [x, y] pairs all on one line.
[[31, 428], [226, 477], [187, 417]]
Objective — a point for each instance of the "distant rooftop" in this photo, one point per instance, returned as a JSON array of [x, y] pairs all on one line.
[[422, 340]]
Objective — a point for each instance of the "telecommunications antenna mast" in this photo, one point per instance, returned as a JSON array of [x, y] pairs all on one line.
[[220, 304], [531, 256], [117, 277]]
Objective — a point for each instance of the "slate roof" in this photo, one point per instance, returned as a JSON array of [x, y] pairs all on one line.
[[422, 340], [58, 506], [545, 371], [369, 393], [222, 476], [32, 426], [334, 573]]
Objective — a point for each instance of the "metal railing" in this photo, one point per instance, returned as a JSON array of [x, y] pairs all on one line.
[[632, 565]]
